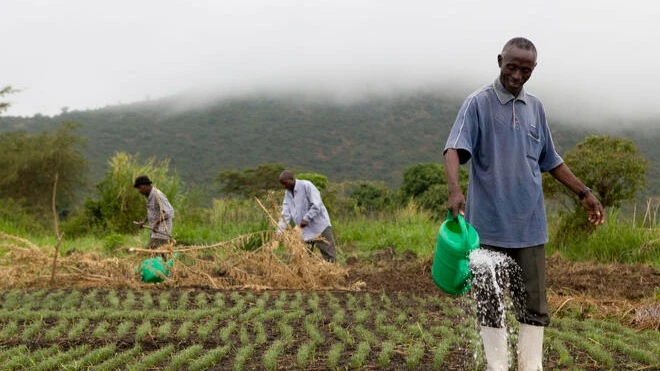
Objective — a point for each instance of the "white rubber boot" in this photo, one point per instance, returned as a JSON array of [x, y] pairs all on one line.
[[495, 348], [530, 348]]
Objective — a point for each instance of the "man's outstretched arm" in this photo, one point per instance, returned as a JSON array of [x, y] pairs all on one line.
[[563, 174]]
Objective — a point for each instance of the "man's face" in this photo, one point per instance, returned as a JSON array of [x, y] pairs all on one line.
[[144, 189], [288, 183], [516, 66]]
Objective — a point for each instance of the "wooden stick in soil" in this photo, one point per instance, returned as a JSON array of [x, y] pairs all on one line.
[[57, 231]]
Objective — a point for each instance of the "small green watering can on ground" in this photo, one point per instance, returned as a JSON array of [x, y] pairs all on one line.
[[155, 270], [456, 239]]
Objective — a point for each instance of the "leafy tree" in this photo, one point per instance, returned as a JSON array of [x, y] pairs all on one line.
[[418, 178], [29, 162], [250, 182], [119, 204], [426, 183], [372, 196], [612, 167]]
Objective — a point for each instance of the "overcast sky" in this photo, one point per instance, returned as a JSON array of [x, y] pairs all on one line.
[[597, 59]]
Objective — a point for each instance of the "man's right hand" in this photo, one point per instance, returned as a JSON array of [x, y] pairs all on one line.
[[456, 204]]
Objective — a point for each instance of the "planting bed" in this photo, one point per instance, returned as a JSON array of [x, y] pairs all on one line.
[[399, 321]]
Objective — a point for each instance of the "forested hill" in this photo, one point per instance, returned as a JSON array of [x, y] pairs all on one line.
[[374, 139]]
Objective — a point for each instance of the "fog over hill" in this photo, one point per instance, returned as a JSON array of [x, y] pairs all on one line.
[[597, 62]]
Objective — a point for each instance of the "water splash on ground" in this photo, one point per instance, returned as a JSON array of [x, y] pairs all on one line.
[[497, 291], [496, 286]]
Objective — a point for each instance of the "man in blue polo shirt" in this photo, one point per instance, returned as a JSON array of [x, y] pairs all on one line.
[[503, 130]]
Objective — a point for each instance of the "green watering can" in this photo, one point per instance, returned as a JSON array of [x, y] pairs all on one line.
[[155, 270], [456, 239]]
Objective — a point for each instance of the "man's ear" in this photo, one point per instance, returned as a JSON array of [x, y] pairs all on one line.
[[499, 60]]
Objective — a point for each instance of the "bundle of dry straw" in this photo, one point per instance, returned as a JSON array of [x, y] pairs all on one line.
[[281, 262]]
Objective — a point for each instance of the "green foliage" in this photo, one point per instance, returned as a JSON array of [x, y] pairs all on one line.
[[29, 163], [427, 184], [250, 182], [617, 241], [15, 220], [612, 167], [417, 179], [404, 229], [372, 196], [223, 219], [112, 241], [118, 203]]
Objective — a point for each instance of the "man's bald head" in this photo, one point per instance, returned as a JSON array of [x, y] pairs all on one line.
[[519, 42], [287, 179], [286, 174]]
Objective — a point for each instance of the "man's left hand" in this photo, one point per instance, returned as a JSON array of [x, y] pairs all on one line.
[[594, 208], [304, 223]]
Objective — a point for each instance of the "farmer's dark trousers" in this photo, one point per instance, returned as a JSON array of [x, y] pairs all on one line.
[[326, 244], [529, 296]]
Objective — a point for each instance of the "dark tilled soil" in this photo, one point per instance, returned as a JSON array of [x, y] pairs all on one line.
[[390, 273]]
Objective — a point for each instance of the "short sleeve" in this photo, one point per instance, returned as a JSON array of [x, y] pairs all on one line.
[[464, 133], [549, 158]]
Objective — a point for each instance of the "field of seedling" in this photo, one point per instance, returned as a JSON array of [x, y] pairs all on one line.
[[201, 329], [276, 307]]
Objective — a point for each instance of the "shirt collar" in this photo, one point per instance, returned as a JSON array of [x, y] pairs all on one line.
[[152, 193], [295, 188], [504, 96]]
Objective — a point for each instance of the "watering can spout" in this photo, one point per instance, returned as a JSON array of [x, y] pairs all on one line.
[[456, 239]]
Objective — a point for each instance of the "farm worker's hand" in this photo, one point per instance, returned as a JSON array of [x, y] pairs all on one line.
[[456, 203], [304, 223], [594, 208]]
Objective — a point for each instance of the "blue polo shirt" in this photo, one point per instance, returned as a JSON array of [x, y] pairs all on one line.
[[509, 142]]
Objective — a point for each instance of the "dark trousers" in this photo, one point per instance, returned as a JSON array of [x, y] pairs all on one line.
[[326, 244], [526, 282]]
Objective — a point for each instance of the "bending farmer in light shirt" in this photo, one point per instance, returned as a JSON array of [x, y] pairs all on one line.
[[503, 130], [303, 205]]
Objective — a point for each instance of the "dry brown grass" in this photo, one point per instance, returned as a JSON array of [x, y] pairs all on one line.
[[282, 262]]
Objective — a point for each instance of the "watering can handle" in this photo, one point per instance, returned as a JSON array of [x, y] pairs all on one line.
[[460, 280], [461, 223]]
